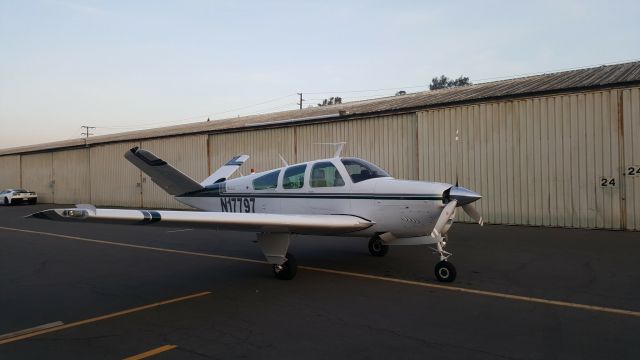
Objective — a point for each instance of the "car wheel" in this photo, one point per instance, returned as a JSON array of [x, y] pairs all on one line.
[[6, 201]]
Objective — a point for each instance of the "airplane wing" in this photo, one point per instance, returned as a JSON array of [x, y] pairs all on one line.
[[254, 222]]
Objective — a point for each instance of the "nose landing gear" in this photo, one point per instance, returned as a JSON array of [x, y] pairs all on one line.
[[444, 270]]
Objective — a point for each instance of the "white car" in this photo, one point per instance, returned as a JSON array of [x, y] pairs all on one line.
[[14, 196]]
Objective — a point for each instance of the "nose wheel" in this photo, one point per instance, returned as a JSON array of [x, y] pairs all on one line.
[[445, 271]]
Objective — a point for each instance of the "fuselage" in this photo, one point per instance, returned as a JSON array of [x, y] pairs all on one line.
[[330, 186]]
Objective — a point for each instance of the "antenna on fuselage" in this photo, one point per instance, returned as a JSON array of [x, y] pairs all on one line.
[[338, 145], [283, 160]]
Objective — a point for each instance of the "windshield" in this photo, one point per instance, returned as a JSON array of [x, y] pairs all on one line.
[[360, 170]]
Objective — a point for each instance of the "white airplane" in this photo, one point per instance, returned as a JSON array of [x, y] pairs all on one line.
[[343, 196]]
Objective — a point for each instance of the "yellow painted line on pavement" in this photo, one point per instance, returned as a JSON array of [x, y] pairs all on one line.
[[30, 330], [151, 352], [566, 304], [103, 317], [482, 292]]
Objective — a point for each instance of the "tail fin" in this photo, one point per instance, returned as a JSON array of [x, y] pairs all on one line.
[[226, 170], [166, 176]]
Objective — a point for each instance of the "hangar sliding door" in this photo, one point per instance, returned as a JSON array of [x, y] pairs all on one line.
[[9, 172], [537, 161], [114, 181], [37, 175], [187, 154], [631, 149], [71, 177]]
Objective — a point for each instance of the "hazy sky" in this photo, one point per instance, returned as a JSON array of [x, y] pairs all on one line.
[[125, 65]]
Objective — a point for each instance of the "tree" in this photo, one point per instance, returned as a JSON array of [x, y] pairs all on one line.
[[444, 82], [331, 101]]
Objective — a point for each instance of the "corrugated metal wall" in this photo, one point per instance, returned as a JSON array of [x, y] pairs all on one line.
[[539, 161], [37, 175], [72, 181], [568, 160], [114, 181], [631, 169], [389, 141], [9, 172], [187, 154], [263, 147]]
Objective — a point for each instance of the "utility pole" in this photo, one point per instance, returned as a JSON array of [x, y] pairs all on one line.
[[301, 100], [87, 133]]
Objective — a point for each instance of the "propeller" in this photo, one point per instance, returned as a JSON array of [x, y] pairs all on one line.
[[473, 213], [446, 214], [460, 197]]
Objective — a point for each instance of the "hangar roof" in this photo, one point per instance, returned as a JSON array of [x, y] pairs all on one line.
[[608, 76]]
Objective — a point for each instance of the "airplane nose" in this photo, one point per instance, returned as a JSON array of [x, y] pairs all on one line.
[[463, 196]]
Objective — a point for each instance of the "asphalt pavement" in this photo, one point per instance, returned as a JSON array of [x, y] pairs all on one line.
[[113, 291]]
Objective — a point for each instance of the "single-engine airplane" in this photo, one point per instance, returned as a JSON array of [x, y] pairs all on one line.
[[344, 196]]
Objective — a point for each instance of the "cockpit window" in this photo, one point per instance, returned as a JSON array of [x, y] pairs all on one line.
[[360, 170], [325, 174], [268, 181], [294, 177]]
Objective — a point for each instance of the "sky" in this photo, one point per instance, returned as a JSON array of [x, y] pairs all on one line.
[[128, 65]]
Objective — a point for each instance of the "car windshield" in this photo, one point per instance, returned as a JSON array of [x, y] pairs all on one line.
[[20, 190], [360, 170]]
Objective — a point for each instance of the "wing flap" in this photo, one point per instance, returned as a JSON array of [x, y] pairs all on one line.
[[300, 224]]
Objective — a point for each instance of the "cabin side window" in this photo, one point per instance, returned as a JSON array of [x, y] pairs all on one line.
[[294, 177], [325, 174], [267, 181]]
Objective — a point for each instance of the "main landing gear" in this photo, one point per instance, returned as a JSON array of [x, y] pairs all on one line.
[[274, 247], [377, 246], [286, 270]]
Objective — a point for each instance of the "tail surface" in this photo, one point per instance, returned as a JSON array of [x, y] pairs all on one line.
[[225, 170], [170, 179]]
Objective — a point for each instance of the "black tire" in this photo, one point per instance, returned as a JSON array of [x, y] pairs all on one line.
[[377, 247], [288, 270], [445, 271], [6, 201], [33, 202]]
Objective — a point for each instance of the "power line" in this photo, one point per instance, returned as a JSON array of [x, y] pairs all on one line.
[[371, 96], [194, 117]]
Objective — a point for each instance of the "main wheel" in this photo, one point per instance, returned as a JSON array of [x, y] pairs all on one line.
[[33, 202], [287, 270], [377, 247], [445, 271], [6, 201]]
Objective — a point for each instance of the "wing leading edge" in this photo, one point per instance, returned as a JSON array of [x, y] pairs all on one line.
[[290, 223]]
